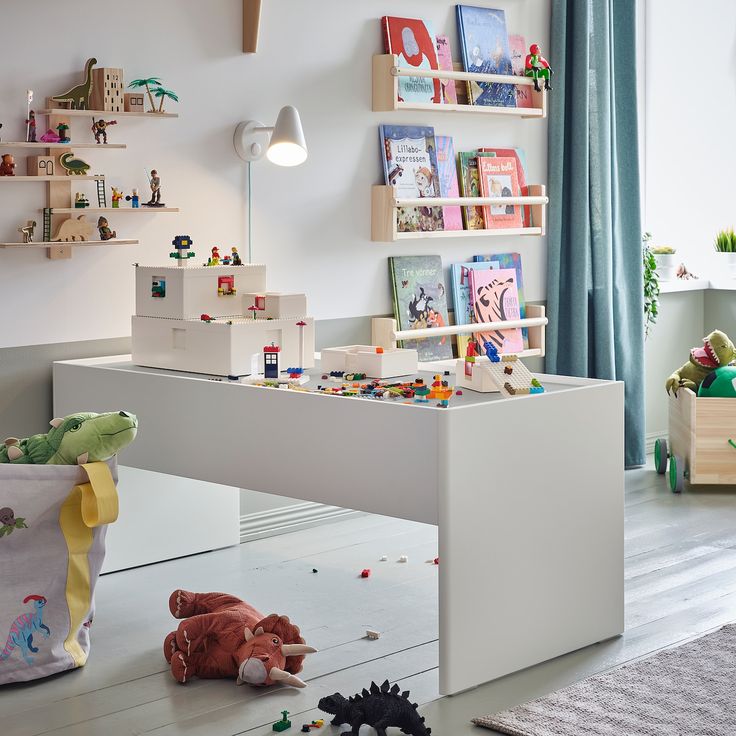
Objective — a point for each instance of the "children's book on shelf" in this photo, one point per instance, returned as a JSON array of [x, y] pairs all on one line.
[[462, 297], [520, 156], [452, 215], [410, 165], [498, 178], [444, 59], [413, 42], [420, 301], [484, 46], [518, 51], [508, 260], [496, 299], [470, 187]]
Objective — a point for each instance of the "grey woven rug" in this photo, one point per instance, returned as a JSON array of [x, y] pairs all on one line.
[[686, 691]]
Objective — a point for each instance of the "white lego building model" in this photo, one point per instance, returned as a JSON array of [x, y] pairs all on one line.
[[216, 320]]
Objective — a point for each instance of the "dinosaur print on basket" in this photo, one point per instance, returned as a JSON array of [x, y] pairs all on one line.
[[23, 629], [9, 522]]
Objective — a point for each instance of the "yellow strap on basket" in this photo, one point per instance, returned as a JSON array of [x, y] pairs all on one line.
[[88, 505]]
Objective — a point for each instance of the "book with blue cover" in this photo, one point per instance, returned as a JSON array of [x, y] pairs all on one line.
[[420, 301], [484, 45], [409, 155]]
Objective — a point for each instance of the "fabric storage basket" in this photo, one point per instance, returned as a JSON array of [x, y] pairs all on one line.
[[52, 544]]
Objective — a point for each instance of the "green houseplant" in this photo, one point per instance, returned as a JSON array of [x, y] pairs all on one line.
[[725, 245], [651, 284]]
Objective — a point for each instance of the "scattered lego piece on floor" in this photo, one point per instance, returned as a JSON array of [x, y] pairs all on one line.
[[314, 569], [458, 393], [403, 558], [307, 727], [383, 558], [371, 634], [284, 723], [436, 560], [366, 573]]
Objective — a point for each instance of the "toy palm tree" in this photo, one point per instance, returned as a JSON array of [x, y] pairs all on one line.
[[162, 93], [147, 83]]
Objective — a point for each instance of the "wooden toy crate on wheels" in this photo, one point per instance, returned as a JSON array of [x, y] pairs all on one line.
[[702, 441]]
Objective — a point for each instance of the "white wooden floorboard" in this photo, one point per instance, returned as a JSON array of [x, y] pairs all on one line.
[[680, 576]]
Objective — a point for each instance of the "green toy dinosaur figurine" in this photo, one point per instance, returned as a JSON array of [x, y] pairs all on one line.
[[76, 439], [717, 351]]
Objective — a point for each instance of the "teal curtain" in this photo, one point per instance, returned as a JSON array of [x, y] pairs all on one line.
[[595, 282]]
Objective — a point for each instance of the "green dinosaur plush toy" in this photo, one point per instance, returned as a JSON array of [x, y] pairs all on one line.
[[717, 351], [76, 439]]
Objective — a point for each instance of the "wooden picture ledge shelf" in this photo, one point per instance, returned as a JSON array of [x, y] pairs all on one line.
[[384, 204], [75, 177], [386, 73], [41, 145], [110, 210], [64, 113]]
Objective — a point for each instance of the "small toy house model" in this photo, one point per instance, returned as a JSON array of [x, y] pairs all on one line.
[[133, 102], [40, 165], [169, 332], [375, 362], [107, 90], [271, 361]]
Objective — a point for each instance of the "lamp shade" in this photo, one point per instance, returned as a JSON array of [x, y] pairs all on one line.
[[287, 147]]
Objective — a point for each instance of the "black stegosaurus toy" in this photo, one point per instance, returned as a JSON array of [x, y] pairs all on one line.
[[381, 707]]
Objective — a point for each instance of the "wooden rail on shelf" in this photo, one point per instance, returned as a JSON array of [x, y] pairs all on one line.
[[386, 73], [385, 332], [384, 203]]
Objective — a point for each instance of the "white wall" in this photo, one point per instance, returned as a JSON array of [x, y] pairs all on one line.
[[690, 107], [311, 224]]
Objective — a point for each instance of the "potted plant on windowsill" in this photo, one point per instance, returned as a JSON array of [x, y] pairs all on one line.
[[667, 264], [725, 244]]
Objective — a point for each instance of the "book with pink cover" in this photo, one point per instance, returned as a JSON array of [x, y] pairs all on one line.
[[452, 216], [495, 298], [444, 59], [498, 178], [517, 48]]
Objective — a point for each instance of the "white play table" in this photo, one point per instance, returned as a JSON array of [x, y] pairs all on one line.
[[527, 492]]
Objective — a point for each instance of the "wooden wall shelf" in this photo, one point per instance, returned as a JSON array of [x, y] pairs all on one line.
[[75, 244], [61, 112], [384, 204], [75, 177], [385, 331], [386, 73], [41, 145], [110, 210]]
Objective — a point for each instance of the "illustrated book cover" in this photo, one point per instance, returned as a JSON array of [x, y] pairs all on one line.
[[518, 51], [470, 187], [420, 300], [410, 165], [498, 178], [462, 299], [484, 46], [452, 215], [444, 59], [413, 42], [496, 299], [509, 260], [520, 156]]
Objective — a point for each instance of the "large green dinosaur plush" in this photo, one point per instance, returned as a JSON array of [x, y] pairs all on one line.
[[73, 440], [717, 351]]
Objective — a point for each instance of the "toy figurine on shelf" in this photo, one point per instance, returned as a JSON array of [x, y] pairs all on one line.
[[537, 66], [63, 130], [27, 231], [117, 195], [236, 257], [78, 97], [99, 128], [164, 94], [104, 228], [72, 165], [31, 127], [155, 184], [80, 201], [214, 259], [50, 137], [7, 165], [134, 199]]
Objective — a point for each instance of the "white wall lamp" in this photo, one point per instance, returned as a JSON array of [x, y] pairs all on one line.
[[283, 143]]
